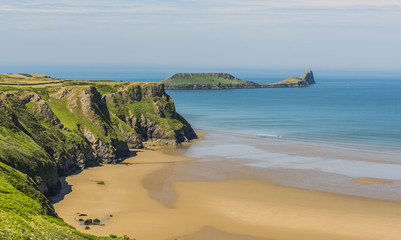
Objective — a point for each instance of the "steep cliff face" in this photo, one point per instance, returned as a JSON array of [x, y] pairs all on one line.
[[52, 131], [25, 213], [90, 117], [22, 140], [148, 111], [308, 77], [135, 92], [303, 81]]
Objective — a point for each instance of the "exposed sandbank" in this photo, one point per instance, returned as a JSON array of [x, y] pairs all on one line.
[[148, 203], [369, 180]]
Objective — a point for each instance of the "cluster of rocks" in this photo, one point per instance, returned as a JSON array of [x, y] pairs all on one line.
[[89, 221]]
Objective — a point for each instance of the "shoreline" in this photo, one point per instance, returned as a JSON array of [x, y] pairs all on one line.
[[364, 147], [163, 194], [312, 149]]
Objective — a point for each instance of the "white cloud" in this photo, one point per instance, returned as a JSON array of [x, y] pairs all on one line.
[[195, 7], [85, 7]]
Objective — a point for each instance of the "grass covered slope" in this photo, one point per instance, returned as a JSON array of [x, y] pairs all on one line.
[[52, 130], [27, 79], [191, 81], [145, 109], [26, 214], [206, 81], [303, 81]]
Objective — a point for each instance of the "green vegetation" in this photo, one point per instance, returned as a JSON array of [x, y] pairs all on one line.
[[292, 80], [201, 78], [74, 118], [205, 80], [156, 114], [18, 148], [27, 79], [303, 81], [146, 108], [184, 81], [26, 214], [51, 129]]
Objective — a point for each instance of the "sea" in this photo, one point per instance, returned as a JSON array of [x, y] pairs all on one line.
[[354, 112], [348, 108]]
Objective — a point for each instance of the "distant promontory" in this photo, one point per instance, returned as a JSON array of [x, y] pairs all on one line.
[[204, 81]]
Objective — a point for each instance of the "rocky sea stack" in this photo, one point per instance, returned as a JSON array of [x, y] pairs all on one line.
[[304, 81]]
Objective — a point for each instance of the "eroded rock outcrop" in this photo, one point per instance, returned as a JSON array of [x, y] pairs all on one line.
[[135, 92], [303, 81], [59, 130], [151, 114], [308, 77], [22, 141], [88, 105], [42, 109]]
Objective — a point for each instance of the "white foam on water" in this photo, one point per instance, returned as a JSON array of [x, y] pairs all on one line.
[[221, 147], [349, 168]]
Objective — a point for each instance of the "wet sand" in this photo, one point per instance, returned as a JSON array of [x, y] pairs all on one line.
[[155, 196], [369, 180]]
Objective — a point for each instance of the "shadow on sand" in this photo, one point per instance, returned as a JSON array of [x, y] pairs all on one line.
[[66, 188]]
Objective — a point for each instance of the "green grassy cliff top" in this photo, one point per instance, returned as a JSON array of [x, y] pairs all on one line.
[[50, 128], [27, 79], [202, 79]]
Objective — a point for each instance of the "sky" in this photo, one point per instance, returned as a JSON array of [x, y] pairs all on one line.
[[332, 34]]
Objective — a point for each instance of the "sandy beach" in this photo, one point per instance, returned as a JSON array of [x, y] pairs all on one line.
[[164, 195]]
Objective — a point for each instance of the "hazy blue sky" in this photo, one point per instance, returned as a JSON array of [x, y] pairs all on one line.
[[236, 33]]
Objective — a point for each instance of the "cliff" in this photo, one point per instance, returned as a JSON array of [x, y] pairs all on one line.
[[53, 130], [26, 214], [303, 81], [207, 81], [147, 112]]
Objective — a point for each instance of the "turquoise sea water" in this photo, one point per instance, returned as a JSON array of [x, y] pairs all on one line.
[[343, 108], [343, 111], [349, 122]]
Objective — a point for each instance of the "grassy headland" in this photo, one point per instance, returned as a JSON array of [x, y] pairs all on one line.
[[27, 79], [303, 81], [205, 81], [190, 81], [51, 127]]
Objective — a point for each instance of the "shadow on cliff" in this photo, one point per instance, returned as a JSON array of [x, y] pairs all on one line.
[[64, 189]]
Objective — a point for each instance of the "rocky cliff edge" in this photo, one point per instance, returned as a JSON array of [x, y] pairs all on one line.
[[52, 131]]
